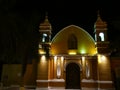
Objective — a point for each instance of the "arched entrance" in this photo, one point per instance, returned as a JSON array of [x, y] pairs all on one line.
[[72, 76]]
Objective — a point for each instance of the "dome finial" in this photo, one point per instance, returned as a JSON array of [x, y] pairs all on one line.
[[98, 13], [45, 25], [46, 15]]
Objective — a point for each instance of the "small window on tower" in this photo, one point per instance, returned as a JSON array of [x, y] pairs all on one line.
[[44, 37], [72, 42], [40, 46], [101, 35]]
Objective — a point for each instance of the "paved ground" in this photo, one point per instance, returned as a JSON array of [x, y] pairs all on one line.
[[16, 88]]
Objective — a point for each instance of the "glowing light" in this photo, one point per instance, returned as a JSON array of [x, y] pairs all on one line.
[[82, 51], [62, 58], [87, 70], [44, 37], [41, 51], [58, 70], [44, 34], [40, 46], [55, 58], [83, 58], [101, 58], [83, 61], [43, 58], [72, 52], [101, 36]]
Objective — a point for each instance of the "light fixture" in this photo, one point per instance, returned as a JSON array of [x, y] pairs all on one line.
[[55, 58], [58, 70], [72, 52]]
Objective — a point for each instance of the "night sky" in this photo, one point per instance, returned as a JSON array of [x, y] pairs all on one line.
[[20, 19]]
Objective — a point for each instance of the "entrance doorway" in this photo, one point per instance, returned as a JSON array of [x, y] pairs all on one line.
[[72, 76]]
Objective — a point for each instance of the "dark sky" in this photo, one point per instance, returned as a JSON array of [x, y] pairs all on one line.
[[20, 19], [61, 12]]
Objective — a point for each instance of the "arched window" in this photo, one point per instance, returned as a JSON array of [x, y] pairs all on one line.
[[44, 37], [72, 42], [102, 36]]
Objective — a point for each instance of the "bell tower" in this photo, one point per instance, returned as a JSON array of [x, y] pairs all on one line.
[[44, 51], [101, 38], [103, 59], [45, 36]]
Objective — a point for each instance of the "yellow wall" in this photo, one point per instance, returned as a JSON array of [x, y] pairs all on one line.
[[42, 72], [86, 44]]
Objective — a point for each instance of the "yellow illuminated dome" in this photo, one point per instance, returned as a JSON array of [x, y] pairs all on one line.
[[73, 40]]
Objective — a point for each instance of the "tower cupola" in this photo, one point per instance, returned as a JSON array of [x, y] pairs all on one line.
[[45, 36], [45, 30], [100, 29], [101, 38], [45, 25]]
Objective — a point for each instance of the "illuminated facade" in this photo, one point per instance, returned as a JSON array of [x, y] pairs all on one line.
[[73, 59]]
